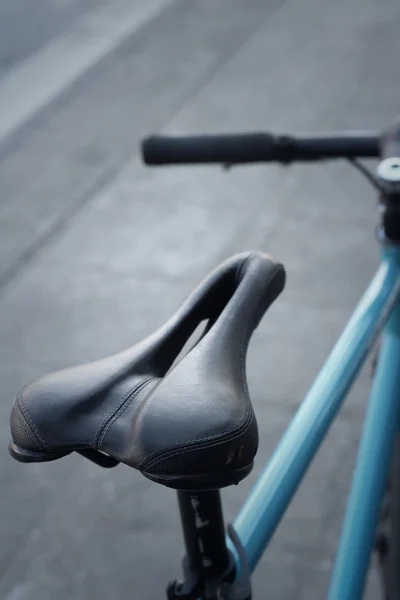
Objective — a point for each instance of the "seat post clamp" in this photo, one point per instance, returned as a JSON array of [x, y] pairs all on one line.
[[227, 586]]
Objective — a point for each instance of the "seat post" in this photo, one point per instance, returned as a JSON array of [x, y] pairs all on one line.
[[204, 533], [209, 567]]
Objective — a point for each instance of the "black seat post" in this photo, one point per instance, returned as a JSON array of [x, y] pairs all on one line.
[[209, 570], [204, 533]]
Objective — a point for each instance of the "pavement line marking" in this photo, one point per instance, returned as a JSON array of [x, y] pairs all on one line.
[[39, 79]]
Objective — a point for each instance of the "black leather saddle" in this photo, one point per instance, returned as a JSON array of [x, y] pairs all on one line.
[[189, 426]]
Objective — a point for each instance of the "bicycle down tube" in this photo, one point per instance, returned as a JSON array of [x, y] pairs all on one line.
[[377, 442], [266, 504]]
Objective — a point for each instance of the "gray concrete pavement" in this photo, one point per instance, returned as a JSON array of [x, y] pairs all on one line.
[[25, 27], [96, 251]]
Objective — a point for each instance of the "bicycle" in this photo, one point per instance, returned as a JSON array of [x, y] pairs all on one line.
[[190, 426]]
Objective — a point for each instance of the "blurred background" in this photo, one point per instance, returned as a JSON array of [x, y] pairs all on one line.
[[96, 251]]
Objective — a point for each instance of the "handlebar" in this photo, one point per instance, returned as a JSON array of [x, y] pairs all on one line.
[[244, 148]]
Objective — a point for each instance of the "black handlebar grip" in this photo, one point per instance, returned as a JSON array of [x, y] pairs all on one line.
[[227, 149]]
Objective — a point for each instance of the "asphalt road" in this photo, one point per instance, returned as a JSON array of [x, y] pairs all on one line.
[[96, 251]]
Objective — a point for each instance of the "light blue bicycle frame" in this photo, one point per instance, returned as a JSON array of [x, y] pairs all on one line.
[[378, 311]]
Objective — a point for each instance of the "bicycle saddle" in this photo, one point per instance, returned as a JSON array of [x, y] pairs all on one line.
[[188, 427]]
